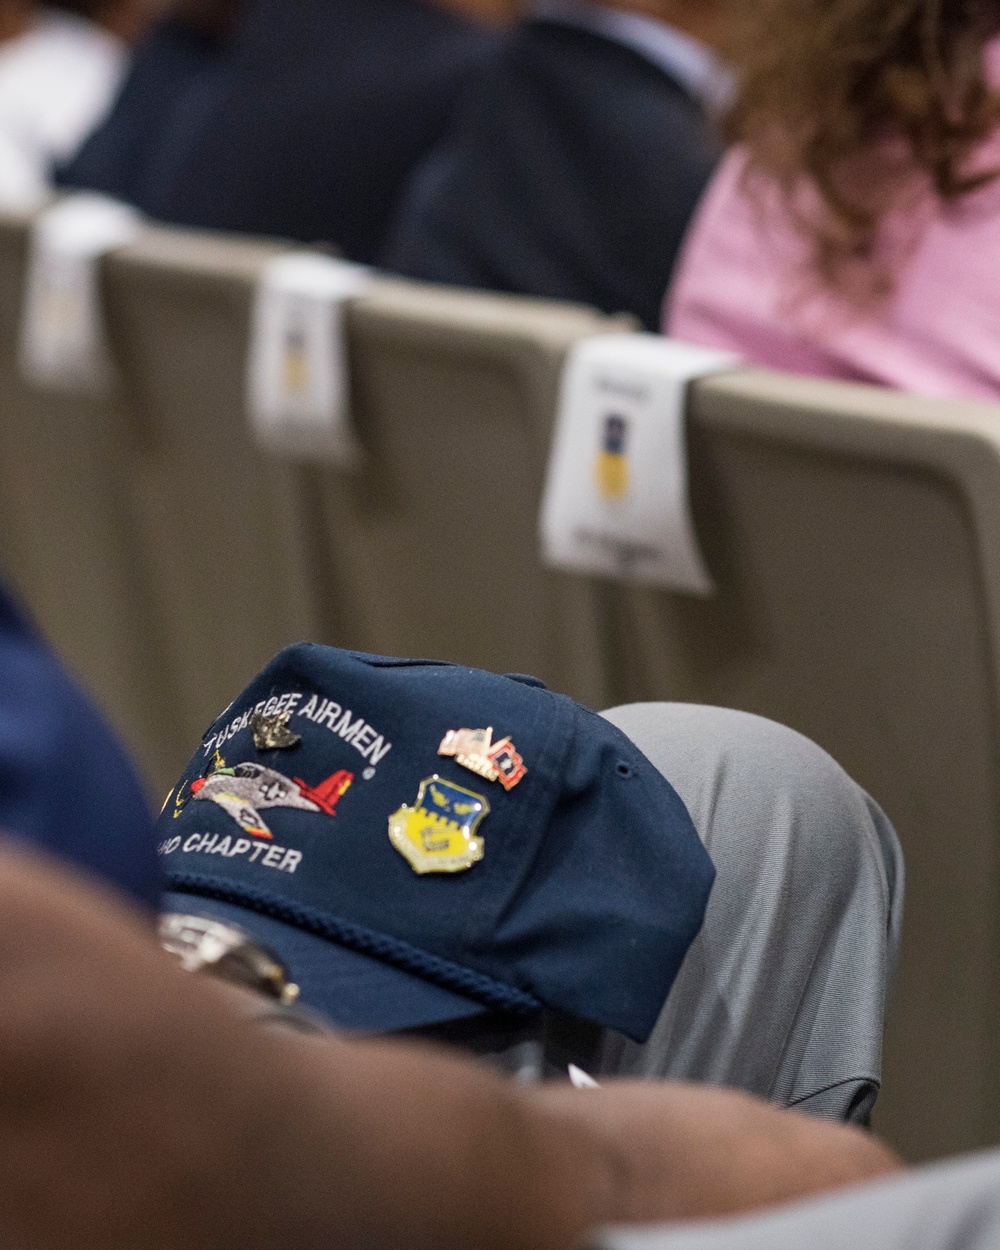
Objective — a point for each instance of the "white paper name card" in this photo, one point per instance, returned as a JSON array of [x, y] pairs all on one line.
[[298, 389], [616, 498], [63, 343]]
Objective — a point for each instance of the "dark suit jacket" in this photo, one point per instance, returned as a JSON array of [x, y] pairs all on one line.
[[305, 123], [171, 70], [571, 171]]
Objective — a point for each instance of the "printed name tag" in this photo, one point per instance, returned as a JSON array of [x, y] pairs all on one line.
[[616, 499], [298, 390], [63, 343]]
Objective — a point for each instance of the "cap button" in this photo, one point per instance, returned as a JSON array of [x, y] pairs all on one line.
[[525, 680]]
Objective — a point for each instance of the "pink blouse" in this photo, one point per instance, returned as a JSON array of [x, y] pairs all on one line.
[[744, 284]]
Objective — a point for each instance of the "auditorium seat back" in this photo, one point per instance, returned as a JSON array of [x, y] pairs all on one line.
[[428, 549], [855, 537], [433, 542], [220, 522], [67, 540]]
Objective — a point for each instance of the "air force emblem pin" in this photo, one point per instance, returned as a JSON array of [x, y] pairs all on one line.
[[438, 833]]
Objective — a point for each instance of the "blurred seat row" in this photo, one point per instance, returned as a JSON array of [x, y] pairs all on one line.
[[853, 535]]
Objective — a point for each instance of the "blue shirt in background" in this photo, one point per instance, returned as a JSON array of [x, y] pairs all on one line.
[[65, 782]]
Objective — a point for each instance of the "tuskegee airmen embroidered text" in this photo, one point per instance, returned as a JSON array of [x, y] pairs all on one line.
[[366, 740]]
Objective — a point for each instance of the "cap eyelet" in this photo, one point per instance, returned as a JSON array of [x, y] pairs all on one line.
[[624, 770]]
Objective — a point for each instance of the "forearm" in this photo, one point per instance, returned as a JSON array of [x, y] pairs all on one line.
[[452, 1157], [447, 1155], [172, 1121], [684, 1151]]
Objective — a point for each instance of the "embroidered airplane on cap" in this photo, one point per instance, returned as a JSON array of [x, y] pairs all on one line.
[[246, 789]]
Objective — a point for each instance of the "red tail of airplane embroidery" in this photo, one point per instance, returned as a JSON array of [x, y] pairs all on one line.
[[328, 793]]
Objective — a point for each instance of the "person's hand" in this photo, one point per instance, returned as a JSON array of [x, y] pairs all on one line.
[[689, 1151]]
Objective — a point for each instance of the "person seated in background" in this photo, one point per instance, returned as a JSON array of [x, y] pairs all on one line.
[[298, 120], [854, 233], [171, 80], [60, 67], [576, 159]]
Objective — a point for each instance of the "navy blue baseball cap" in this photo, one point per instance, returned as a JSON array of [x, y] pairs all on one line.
[[420, 842]]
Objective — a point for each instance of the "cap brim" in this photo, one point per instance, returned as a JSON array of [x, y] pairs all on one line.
[[353, 991]]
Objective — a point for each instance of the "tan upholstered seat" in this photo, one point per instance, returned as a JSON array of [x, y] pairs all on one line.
[[220, 522], [68, 543], [427, 550], [855, 536], [434, 543]]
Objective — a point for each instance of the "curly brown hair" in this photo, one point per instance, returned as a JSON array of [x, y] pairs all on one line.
[[861, 99]]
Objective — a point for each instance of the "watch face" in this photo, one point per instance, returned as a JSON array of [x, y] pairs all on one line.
[[227, 952]]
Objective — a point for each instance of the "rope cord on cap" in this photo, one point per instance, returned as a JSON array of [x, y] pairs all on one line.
[[408, 958]]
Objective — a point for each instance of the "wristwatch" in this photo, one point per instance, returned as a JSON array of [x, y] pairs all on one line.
[[227, 952]]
